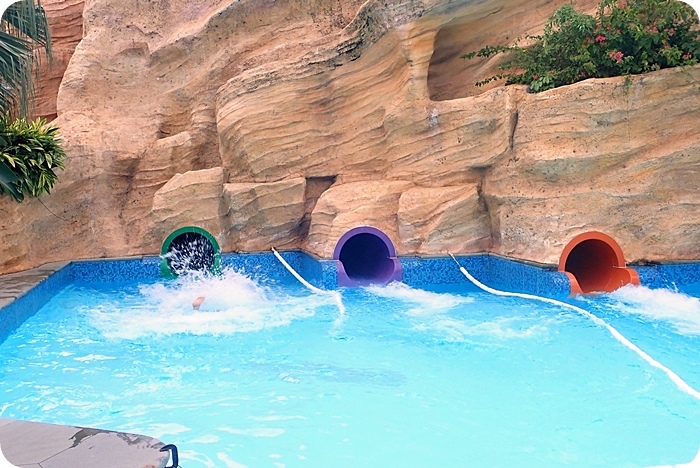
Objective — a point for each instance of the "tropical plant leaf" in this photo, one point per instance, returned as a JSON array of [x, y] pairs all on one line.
[[8, 182], [23, 31], [30, 151], [25, 19]]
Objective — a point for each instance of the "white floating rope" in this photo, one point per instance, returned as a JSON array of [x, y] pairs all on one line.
[[679, 382]]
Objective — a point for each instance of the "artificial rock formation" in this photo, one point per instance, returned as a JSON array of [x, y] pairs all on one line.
[[340, 207], [617, 156], [442, 220], [288, 123], [66, 26], [193, 198], [260, 216]]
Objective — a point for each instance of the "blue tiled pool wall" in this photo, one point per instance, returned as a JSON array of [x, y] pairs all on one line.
[[494, 271], [320, 273], [15, 313], [669, 275], [262, 266], [120, 270]]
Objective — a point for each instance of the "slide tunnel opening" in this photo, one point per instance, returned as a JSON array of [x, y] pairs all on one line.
[[365, 255], [594, 263], [188, 250]]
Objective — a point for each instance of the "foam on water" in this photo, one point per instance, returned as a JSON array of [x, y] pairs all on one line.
[[426, 302], [228, 463], [676, 308], [234, 303], [502, 328], [430, 312]]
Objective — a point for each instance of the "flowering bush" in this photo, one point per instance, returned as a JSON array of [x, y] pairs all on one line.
[[625, 37]]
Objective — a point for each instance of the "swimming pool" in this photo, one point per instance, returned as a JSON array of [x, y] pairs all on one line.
[[267, 374]]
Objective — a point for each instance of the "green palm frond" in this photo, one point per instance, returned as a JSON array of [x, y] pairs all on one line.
[[28, 20], [23, 30], [16, 58]]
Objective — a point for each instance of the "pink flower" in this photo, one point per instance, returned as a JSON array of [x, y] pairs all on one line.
[[600, 39], [687, 56], [535, 76], [622, 4], [616, 56]]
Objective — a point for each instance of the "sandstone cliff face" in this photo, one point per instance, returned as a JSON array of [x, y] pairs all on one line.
[[66, 26], [608, 156], [285, 124]]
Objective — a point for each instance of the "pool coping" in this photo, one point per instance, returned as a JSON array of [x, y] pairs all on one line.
[[29, 444], [15, 285]]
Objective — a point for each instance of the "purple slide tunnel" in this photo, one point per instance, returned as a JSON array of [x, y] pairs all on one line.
[[365, 255]]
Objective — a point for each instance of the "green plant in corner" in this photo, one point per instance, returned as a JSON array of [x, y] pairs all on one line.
[[625, 37], [29, 154]]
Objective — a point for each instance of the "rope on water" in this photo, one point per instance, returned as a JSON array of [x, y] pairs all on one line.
[[334, 294], [679, 382], [297, 275]]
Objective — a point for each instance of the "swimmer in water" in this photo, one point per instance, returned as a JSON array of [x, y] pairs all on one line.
[[197, 302]]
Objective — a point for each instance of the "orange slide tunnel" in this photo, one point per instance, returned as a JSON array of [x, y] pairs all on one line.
[[594, 262]]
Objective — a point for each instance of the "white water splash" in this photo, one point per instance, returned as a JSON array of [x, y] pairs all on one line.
[[233, 303], [676, 308]]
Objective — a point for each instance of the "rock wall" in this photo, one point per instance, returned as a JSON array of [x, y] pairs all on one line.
[[606, 155], [66, 26], [284, 123]]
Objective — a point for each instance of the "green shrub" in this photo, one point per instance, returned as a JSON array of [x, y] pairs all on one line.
[[625, 37], [29, 153]]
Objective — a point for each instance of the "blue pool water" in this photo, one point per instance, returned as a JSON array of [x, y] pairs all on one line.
[[268, 375]]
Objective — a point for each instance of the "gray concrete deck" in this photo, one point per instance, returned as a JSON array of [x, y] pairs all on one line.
[[37, 445], [15, 285]]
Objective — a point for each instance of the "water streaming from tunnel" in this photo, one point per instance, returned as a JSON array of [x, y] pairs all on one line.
[[233, 303], [190, 253]]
